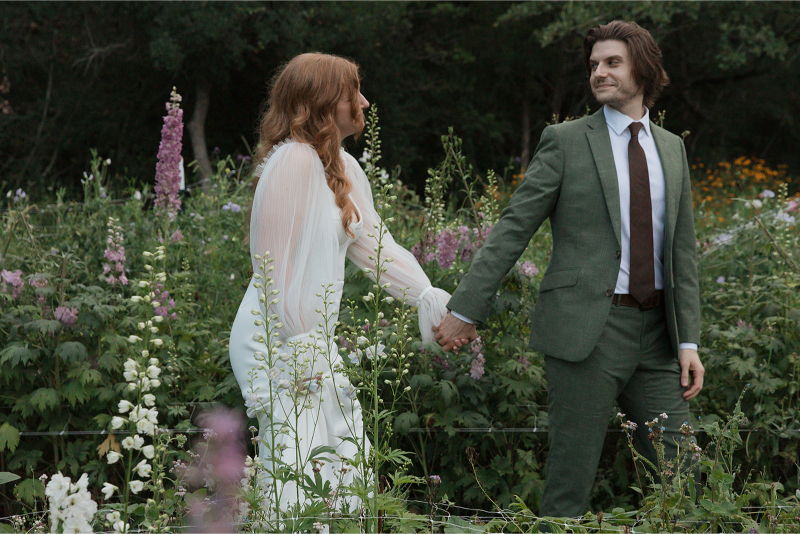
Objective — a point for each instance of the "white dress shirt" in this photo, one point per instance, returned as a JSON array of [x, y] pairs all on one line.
[[620, 136]]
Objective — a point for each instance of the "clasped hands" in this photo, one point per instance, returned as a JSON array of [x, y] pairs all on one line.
[[454, 333]]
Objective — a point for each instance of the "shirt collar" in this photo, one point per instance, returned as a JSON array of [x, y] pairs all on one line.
[[619, 122]]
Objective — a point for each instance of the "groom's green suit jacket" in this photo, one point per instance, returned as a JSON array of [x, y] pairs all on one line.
[[573, 181]]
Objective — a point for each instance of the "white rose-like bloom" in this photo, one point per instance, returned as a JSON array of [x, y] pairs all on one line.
[[125, 406], [82, 484], [130, 365], [143, 469], [57, 488], [127, 443], [136, 486], [108, 490], [149, 451], [130, 376], [138, 441], [113, 456], [149, 399], [117, 422], [153, 371]]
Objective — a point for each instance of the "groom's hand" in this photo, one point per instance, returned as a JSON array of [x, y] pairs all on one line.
[[691, 365], [453, 333]]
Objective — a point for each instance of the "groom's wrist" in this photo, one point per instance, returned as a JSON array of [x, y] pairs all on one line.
[[462, 317]]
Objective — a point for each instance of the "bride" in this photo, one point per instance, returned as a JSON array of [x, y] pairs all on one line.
[[312, 207]]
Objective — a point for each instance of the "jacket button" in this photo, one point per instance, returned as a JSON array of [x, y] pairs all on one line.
[[619, 254], [609, 292]]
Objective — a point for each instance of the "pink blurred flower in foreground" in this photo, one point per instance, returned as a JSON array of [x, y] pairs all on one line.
[[67, 316], [168, 168], [221, 471]]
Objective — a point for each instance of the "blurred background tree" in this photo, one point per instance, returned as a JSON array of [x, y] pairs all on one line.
[[77, 76]]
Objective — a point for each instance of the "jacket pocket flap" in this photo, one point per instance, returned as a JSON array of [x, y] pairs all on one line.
[[554, 280]]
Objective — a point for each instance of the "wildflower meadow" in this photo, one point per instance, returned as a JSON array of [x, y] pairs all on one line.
[[120, 412]]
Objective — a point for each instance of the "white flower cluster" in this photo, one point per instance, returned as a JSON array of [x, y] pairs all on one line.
[[369, 167], [71, 505]]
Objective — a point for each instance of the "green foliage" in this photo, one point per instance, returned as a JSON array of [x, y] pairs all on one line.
[[471, 419]]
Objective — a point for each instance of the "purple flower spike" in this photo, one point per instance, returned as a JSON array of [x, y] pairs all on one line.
[[168, 168]]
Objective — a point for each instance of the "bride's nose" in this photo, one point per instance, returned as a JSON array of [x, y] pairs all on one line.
[[363, 102]]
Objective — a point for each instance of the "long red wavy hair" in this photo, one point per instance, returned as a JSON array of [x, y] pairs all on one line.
[[302, 103]]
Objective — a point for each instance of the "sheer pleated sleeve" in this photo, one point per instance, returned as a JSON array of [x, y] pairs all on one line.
[[288, 221], [404, 272]]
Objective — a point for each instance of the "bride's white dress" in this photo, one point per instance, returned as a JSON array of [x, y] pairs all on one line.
[[296, 221]]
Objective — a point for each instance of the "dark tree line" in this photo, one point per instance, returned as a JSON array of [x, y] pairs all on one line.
[[81, 75]]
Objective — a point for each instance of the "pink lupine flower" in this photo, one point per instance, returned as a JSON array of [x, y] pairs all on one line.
[[476, 370], [176, 236], [11, 282], [168, 168], [67, 316]]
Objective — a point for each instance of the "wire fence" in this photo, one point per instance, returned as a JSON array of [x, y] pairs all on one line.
[[469, 519]]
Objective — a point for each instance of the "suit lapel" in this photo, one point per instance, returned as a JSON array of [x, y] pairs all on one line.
[[672, 164], [600, 144]]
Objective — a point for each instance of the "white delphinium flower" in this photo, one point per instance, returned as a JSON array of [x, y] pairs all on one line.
[[113, 517], [125, 406], [113, 456], [143, 469], [149, 451], [375, 350], [149, 399], [134, 339], [138, 441], [153, 371], [136, 486], [157, 342], [71, 505], [127, 443], [117, 422], [108, 490], [145, 427], [120, 526]]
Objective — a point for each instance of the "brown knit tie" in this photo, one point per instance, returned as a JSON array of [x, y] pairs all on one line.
[[643, 275]]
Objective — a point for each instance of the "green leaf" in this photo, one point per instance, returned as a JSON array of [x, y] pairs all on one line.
[[421, 381], [17, 354], [405, 422], [9, 437], [29, 490], [448, 391], [71, 351], [7, 477], [43, 326], [44, 398]]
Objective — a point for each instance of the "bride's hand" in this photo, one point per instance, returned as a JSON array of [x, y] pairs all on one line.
[[453, 333]]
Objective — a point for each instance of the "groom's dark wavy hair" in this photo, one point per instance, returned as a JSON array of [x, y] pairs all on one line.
[[644, 52]]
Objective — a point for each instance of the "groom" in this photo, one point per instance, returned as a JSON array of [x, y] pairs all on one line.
[[618, 313]]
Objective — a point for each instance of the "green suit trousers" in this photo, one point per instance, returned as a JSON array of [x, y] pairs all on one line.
[[633, 365]]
